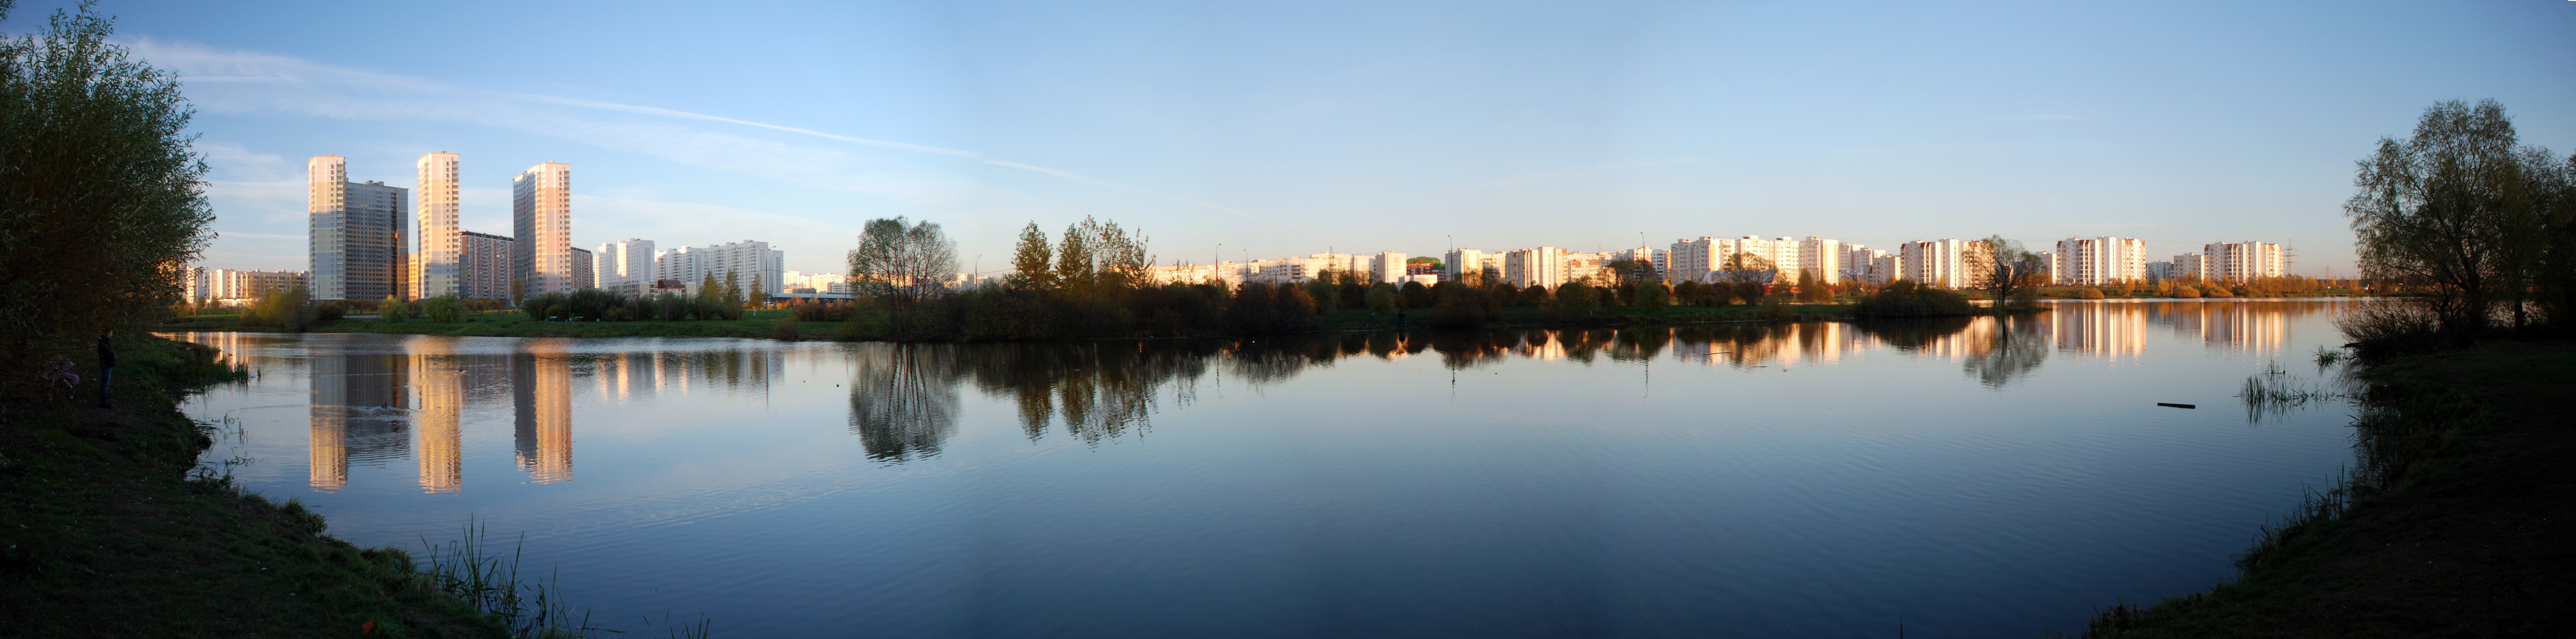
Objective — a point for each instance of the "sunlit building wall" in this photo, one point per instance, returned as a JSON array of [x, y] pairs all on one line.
[[442, 245], [1938, 263], [2099, 261], [626, 266], [1387, 267], [1822, 258], [2244, 261], [1542, 266], [541, 212]]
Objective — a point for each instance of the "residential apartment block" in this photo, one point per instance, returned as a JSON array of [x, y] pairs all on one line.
[[442, 247], [2244, 261], [1387, 268], [1542, 266], [227, 286], [483, 268], [541, 212], [2098, 261], [1946, 263], [758, 269], [626, 266], [1459, 263], [1701, 259], [1865, 264], [357, 248], [584, 264]]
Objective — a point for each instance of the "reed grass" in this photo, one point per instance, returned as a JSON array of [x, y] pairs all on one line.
[[684, 630], [469, 570], [2265, 393]]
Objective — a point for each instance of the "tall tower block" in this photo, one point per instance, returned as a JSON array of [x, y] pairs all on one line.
[[541, 208], [442, 244]]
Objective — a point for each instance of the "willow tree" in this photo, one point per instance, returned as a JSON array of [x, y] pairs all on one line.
[[102, 200]]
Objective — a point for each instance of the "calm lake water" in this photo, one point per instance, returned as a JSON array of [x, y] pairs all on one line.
[[1974, 478]]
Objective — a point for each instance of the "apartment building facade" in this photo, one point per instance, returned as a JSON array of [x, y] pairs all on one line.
[[357, 247], [755, 267], [541, 214], [626, 266], [2098, 261], [441, 253], [1542, 266], [1944, 263], [2241, 262], [483, 267]]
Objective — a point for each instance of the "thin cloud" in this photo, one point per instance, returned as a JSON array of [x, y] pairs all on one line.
[[250, 81]]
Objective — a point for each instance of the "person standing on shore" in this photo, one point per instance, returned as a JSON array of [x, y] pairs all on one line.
[[106, 364]]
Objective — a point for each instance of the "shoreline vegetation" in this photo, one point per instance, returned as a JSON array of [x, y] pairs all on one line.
[[119, 529], [2458, 517]]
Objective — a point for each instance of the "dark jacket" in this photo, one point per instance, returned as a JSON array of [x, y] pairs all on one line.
[[106, 352]]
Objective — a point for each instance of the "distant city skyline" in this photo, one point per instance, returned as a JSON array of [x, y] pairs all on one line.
[[1280, 130]]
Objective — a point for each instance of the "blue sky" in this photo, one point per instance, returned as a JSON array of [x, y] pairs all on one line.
[[1286, 128]]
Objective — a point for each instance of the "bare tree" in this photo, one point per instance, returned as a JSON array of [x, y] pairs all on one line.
[[2012, 273]]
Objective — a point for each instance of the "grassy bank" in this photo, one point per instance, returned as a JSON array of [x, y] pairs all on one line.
[[2468, 534], [106, 533]]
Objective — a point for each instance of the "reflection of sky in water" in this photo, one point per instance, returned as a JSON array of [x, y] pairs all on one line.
[[1976, 476]]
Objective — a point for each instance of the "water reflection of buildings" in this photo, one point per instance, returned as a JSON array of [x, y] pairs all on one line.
[[358, 414], [440, 375], [542, 381], [2112, 331], [2239, 326]]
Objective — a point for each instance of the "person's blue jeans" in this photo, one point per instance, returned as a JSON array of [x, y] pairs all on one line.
[[105, 375]]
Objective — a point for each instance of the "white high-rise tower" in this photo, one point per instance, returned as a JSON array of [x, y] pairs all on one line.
[[541, 209], [442, 244]]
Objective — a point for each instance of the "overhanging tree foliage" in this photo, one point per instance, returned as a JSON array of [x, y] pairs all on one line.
[[2465, 214], [102, 202]]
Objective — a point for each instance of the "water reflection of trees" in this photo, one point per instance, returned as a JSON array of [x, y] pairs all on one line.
[[2016, 348], [903, 399]]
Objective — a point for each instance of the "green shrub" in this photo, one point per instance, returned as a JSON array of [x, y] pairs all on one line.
[[444, 308], [1904, 298], [2089, 293]]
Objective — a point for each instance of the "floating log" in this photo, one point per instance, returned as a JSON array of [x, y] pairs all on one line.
[[2178, 405]]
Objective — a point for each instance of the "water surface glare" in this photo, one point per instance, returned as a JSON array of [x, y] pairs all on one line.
[[1973, 477]]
